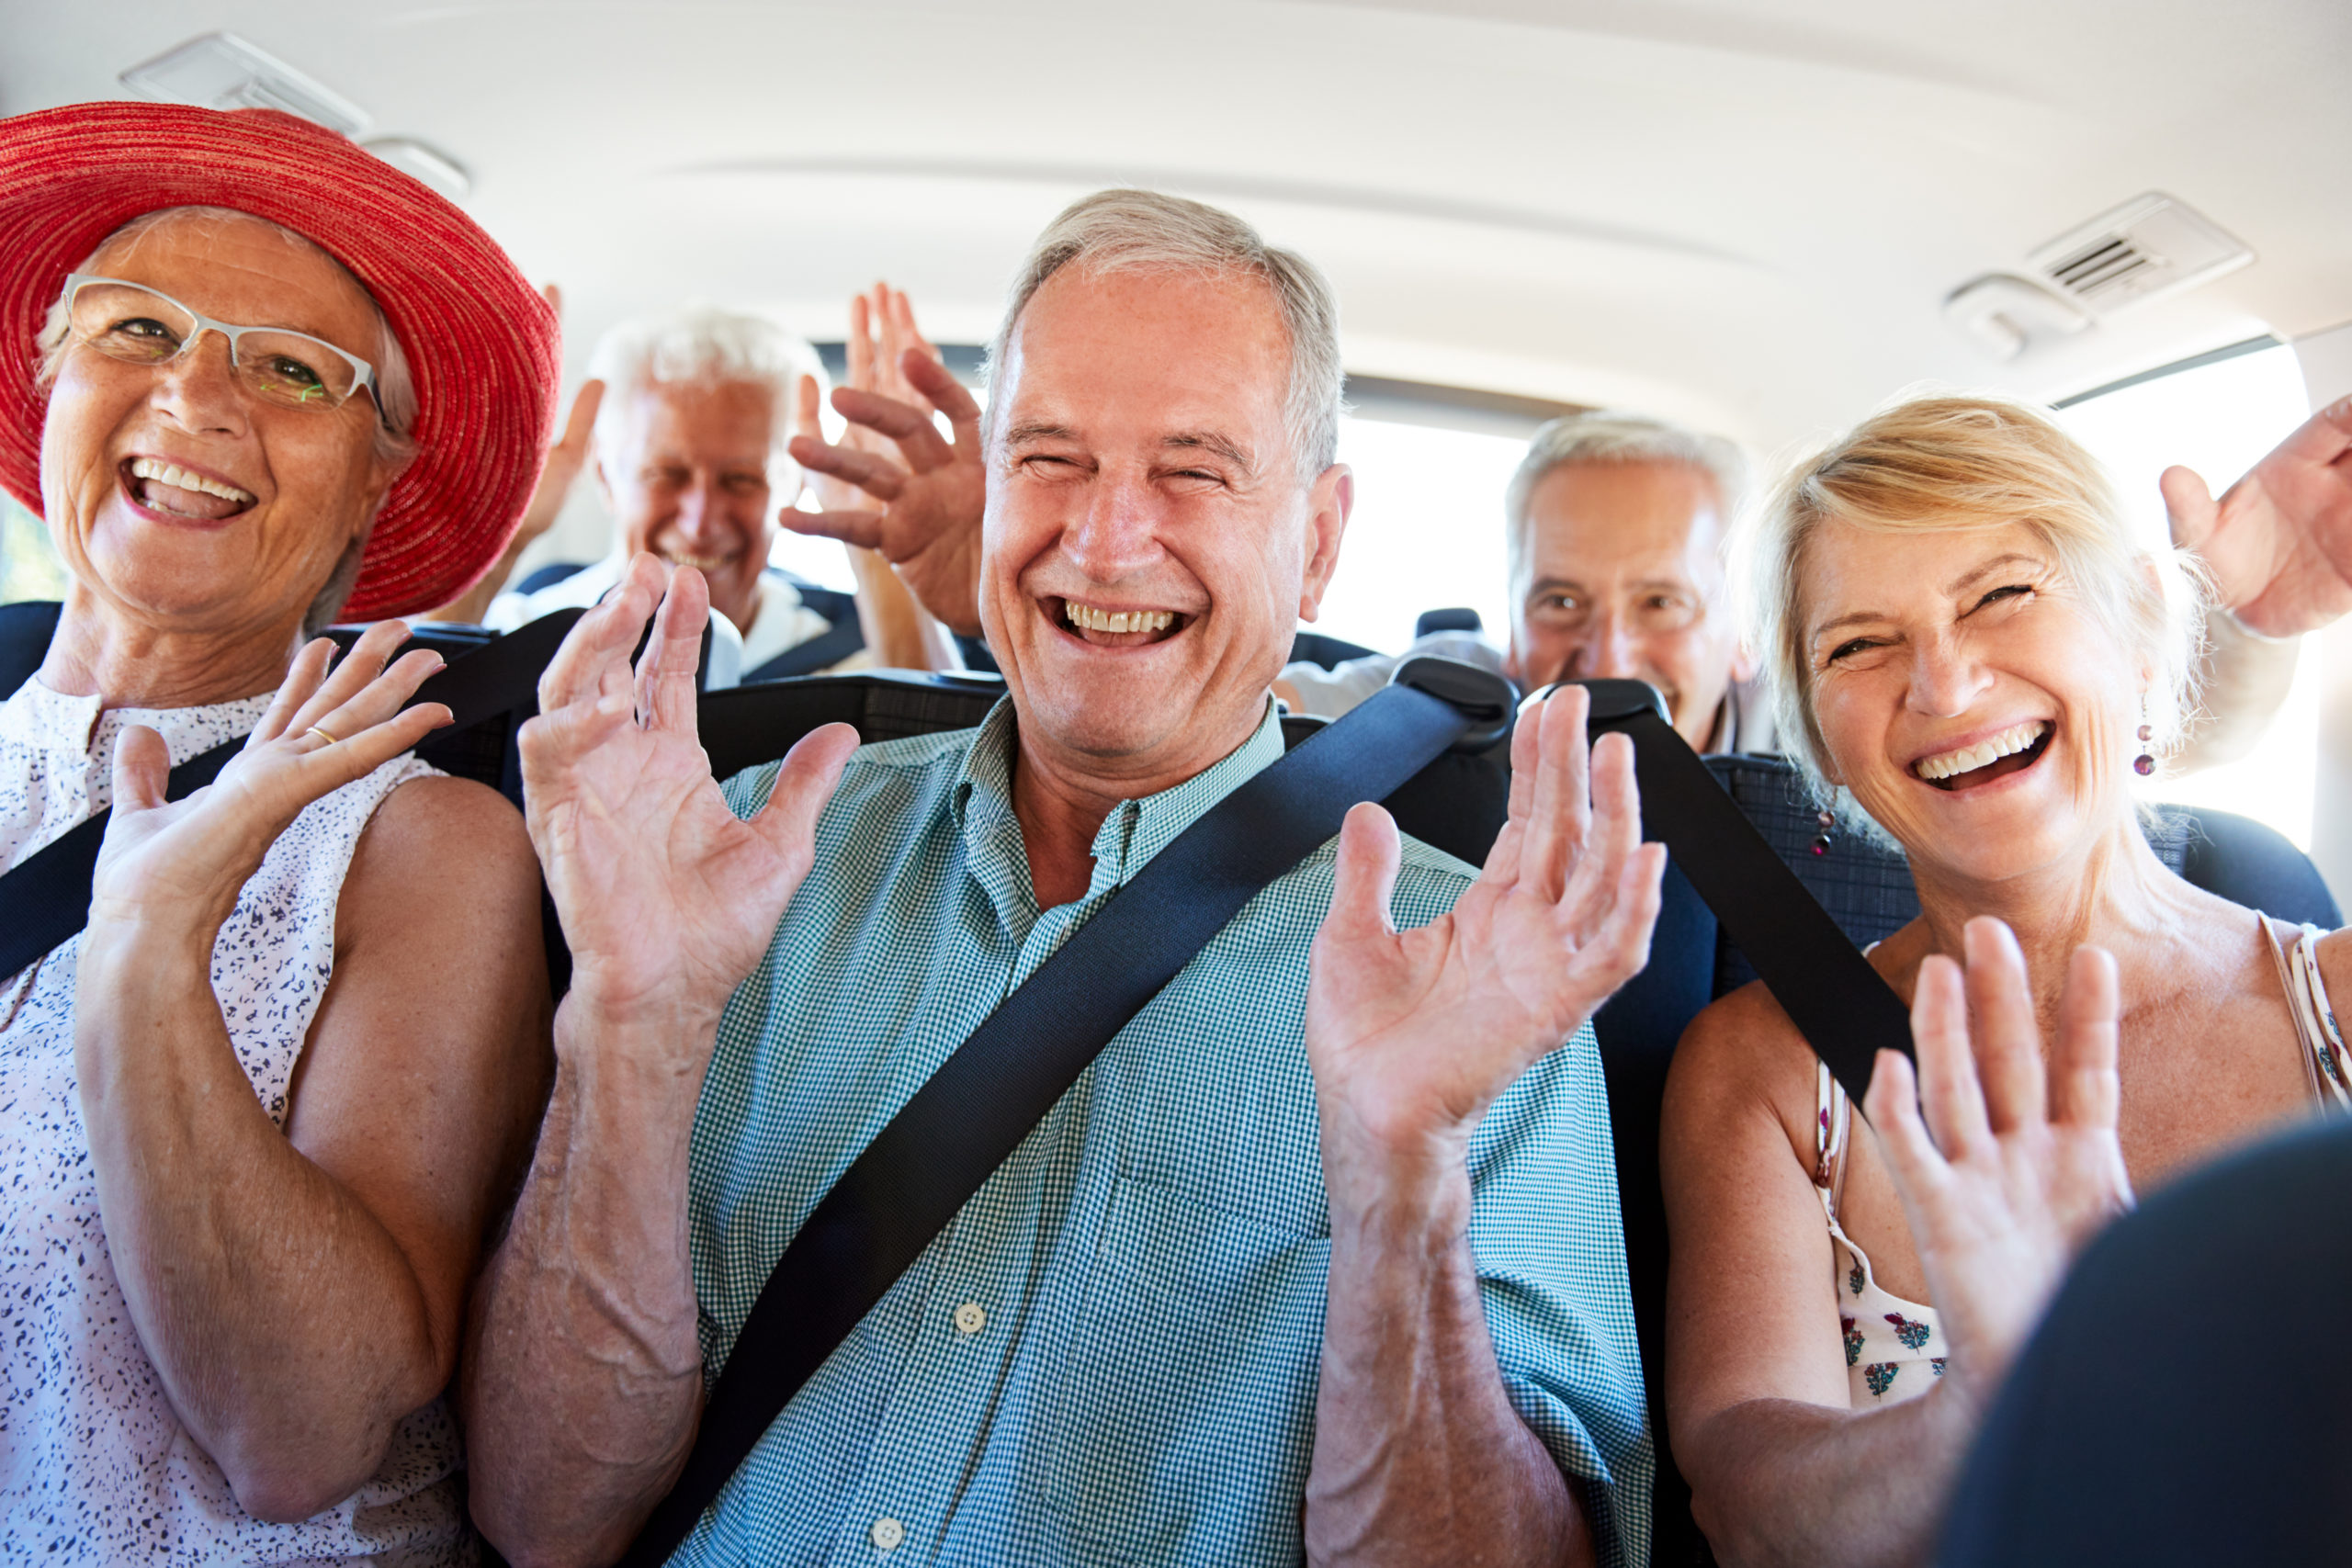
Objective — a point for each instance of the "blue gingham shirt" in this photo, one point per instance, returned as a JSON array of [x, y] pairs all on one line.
[[1111, 1354]]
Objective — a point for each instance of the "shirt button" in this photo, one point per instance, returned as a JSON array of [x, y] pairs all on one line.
[[970, 1318], [886, 1533]]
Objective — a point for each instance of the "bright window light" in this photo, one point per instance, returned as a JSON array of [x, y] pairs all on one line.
[[1426, 534], [820, 561], [29, 564], [2220, 420]]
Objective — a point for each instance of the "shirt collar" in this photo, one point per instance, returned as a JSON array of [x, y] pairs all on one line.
[[1134, 831]]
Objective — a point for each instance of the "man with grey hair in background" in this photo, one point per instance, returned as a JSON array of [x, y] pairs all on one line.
[[1617, 527], [692, 410], [1318, 1258]]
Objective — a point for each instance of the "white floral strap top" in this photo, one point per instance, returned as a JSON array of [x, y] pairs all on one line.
[[2327, 1068], [95, 1466], [1895, 1349]]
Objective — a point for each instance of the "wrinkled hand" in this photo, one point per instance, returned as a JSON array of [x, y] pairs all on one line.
[[1413, 1034], [881, 330], [2024, 1164], [932, 492], [2278, 542], [182, 863], [668, 900]]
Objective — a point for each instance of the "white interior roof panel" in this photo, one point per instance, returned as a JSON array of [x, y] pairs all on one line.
[[1746, 214]]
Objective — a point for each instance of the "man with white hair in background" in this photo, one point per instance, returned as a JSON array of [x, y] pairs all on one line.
[[1617, 527], [688, 444], [1318, 1257]]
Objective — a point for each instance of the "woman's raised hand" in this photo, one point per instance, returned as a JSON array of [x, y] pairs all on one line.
[[185, 862], [2023, 1163], [668, 899]]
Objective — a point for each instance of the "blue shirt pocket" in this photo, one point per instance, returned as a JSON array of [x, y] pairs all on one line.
[[1178, 1424]]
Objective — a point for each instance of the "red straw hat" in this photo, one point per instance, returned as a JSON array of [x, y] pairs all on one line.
[[482, 344]]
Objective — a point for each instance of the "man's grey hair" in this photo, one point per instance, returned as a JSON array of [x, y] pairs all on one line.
[[704, 345], [1136, 230], [1610, 436], [394, 388]]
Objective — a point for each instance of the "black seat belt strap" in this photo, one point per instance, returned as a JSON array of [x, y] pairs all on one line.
[[1830, 991], [996, 1087], [45, 898]]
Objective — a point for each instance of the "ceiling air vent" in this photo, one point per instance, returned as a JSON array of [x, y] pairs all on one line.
[[2152, 245]]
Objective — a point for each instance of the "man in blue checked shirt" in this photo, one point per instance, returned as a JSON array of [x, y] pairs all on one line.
[[1318, 1260]]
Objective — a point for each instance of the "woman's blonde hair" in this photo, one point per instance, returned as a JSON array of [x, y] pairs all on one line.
[[1943, 462]]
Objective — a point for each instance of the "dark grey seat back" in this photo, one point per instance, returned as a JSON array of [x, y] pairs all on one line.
[[2154, 1419]]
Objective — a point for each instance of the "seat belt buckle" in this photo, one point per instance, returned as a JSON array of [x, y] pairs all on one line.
[[1489, 701], [1614, 701]]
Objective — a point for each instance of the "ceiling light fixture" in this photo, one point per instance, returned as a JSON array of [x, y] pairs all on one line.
[[424, 160], [222, 70]]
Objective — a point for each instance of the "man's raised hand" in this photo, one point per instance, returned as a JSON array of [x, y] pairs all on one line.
[[668, 899], [1413, 1034], [2278, 542], [2023, 1163], [932, 491]]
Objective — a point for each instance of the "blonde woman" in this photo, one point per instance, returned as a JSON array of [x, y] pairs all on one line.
[[1975, 655]]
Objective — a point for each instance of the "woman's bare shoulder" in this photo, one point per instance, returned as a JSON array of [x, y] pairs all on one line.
[[1741, 1057], [444, 846], [438, 813]]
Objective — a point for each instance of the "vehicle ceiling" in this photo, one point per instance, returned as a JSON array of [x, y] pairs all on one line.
[[1744, 214]]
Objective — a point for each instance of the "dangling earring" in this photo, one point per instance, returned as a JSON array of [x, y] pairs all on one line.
[[2145, 763], [1827, 820]]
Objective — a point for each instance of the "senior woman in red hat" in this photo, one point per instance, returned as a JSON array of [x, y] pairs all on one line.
[[261, 1107]]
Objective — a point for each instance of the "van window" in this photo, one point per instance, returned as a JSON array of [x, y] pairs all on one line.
[[1427, 530], [29, 567], [2218, 416]]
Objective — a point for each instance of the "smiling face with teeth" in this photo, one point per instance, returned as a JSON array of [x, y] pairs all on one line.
[[1149, 548], [1975, 706], [182, 506], [687, 477]]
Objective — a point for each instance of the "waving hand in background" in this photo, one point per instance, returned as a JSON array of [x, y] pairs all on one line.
[[932, 491]]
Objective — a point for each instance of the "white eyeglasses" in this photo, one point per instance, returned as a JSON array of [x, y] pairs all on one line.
[[134, 324]]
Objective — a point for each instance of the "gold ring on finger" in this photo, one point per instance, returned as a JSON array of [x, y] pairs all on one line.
[[322, 734]]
